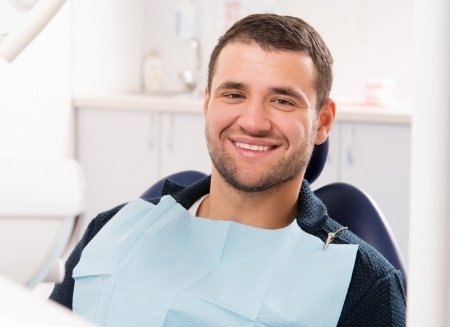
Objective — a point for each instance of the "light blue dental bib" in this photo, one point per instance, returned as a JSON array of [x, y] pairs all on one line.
[[160, 266]]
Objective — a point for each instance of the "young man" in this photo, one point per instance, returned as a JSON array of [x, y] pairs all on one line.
[[246, 245]]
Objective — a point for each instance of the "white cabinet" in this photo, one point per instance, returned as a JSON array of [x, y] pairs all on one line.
[[183, 144], [376, 158], [123, 152], [117, 151]]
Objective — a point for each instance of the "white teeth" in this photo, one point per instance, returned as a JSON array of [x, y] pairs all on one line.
[[252, 147]]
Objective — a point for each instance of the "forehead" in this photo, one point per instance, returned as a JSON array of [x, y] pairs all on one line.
[[240, 62]]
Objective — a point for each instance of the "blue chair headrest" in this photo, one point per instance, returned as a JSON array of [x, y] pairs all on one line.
[[317, 162]]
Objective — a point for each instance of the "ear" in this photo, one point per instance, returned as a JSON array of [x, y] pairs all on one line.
[[205, 102], [325, 121]]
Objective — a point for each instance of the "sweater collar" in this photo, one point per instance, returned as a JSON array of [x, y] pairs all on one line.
[[311, 217]]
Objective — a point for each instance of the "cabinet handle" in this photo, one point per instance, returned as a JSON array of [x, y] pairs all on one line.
[[349, 152], [171, 135], [149, 131]]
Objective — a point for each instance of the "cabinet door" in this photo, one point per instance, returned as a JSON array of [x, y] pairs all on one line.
[[376, 158], [183, 144], [117, 150]]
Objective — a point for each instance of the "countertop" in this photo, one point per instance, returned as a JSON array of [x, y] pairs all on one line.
[[345, 111]]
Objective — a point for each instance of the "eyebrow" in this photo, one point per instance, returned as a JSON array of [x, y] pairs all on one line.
[[230, 85]]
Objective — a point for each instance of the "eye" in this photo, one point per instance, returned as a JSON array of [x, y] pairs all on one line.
[[283, 102], [233, 95]]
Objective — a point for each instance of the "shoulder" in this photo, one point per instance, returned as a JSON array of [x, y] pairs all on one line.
[[104, 217], [63, 292], [375, 296], [101, 220], [185, 195]]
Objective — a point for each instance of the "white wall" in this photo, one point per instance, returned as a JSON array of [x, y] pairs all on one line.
[[368, 39], [35, 115], [108, 38], [89, 46], [429, 262]]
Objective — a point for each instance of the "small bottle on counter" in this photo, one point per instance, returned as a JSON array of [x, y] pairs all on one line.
[[152, 73]]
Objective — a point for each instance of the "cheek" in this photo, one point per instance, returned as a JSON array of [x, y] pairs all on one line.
[[218, 120], [213, 125], [294, 129], [301, 134]]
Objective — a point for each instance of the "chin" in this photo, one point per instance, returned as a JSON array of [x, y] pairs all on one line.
[[255, 184]]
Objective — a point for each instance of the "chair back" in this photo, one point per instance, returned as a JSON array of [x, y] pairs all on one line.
[[184, 178], [354, 208]]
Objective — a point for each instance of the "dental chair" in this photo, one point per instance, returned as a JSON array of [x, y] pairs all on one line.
[[40, 202], [347, 204]]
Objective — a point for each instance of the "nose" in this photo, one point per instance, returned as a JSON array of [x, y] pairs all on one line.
[[255, 118]]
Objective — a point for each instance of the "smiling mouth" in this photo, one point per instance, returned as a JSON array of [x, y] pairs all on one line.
[[254, 147]]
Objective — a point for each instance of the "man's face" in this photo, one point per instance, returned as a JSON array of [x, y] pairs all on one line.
[[260, 116]]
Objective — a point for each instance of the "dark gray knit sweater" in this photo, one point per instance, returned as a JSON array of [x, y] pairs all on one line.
[[375, 296]]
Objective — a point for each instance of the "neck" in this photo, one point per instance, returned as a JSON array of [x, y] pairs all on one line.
[[270, 209]]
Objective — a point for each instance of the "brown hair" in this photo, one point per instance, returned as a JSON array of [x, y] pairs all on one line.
[[275, 32]]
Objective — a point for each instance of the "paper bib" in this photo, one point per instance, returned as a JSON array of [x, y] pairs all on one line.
[[160, 266]]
